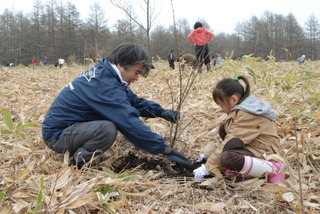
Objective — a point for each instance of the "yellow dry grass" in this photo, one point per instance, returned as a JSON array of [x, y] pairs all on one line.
[[34, 179]]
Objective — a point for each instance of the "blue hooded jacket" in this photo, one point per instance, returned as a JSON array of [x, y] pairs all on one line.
[[99, 94]]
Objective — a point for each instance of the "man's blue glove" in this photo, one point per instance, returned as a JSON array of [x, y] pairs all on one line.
[[170, 115], [179, 158]]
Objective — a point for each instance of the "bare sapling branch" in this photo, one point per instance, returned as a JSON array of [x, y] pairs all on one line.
[[183, 89]]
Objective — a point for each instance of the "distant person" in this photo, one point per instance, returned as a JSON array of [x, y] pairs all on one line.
[[86, 116], [61, 62], [45, 61], [301, 59], [171, 59], [34, 62], [200, 37], [189, 60], [214, 61], [218, 60], [10, 64]]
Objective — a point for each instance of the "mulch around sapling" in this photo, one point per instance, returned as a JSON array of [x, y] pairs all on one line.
[[132, 161]]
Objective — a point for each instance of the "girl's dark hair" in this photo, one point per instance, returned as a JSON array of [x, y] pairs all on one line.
[[197, 25], [129, 54], [228, 87]]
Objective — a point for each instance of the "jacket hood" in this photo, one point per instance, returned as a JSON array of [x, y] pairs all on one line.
[[200, 30], [258, 107]]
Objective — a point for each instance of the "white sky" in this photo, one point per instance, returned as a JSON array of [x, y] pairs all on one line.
[[222, 15]]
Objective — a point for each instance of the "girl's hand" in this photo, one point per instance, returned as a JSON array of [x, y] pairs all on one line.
[[201, 158], [199, 173]]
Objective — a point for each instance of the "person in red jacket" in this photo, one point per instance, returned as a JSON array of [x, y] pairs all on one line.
[[34, 62], [200, 37]]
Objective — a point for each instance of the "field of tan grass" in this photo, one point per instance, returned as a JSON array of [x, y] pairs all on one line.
[[34, 179]]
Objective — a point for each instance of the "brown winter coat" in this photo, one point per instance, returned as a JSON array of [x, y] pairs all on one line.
[[258, 133]]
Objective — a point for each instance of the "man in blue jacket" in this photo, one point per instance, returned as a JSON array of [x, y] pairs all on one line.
[[88, 112]]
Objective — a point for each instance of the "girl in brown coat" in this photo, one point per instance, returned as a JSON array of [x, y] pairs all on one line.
[[248, 133]]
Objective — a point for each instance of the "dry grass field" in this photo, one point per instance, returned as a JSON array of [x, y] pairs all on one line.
[[34, 179]]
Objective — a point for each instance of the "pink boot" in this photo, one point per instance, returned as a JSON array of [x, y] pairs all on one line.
[[230, 172], [256, 167]]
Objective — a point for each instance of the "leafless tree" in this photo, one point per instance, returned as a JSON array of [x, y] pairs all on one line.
[[313, 35], [294, 36], [51, 28], [149, 9], [96, 32], [36, 16], [54, 29]]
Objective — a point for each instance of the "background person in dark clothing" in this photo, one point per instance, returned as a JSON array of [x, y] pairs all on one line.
[[171, 59]]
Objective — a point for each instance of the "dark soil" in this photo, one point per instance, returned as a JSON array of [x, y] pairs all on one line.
[[155, 163]]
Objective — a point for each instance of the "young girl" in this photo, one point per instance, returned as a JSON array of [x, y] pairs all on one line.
[[248, 133]]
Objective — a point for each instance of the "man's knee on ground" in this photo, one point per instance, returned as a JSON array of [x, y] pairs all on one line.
[[103, 138]]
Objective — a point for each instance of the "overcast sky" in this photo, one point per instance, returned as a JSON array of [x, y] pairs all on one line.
[[222, 15]]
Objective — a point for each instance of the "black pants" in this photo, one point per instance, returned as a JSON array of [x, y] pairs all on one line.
[[171, 63], [202, 54], [85, 140]]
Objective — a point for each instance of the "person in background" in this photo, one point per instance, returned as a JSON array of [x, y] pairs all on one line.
[[248, 134], [200, 37], [171, 59], [34, 62], [45, 61], [10, 64], [214, 61], [301, 59], [188, 60], [218, 60], [61, 62], [87, 114]]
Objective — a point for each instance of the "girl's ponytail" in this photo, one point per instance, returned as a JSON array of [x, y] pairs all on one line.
[[247, 87]]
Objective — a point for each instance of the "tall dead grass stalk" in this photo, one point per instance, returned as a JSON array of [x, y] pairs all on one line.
[[298, 167]]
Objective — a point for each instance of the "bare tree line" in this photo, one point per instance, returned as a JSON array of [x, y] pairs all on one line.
[[54, 29]]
